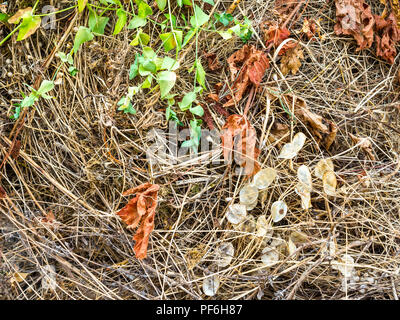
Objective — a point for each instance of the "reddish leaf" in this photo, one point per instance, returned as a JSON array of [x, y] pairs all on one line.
[[277, 35], [387, 35], [141, 210], [240, 137], [247, 66], [354, 18]]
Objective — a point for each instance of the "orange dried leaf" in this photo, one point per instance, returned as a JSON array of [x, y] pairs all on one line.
[[247, 66], [276, 35], [239, 137], [141, 210]]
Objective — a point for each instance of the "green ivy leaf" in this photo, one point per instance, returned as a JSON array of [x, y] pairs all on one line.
[[187, 101], [172, 40], [122, 17], [137, 22], [148, 53], [198, 111], [96, 23], [161, 4], [134, 70], [199, 18], [147, 83], [83, 35], [29, 24], [144, 9], [81, 5], [200, 73], [188, 36], [169, 64], [166, 80], [45, 87]]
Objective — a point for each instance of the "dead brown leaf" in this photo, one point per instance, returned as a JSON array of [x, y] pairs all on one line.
[[323, 130], [276, 35], [354, 18], [213, 63], [239, 137], [291, 61], [18, 16], [365, 144], [387, 35], [141, 210], [247, 66]]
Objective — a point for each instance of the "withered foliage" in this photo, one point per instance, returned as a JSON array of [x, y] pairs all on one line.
[[247, 66], [387, 35], [141, 210], [239, 137], [354, 17], [323, 130]]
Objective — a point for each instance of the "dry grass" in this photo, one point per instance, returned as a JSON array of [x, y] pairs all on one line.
[[78, 155]]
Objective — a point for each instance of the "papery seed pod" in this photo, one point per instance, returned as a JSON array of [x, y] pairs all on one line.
[[224, 254], [236, 213], [251, 206], [248, 195], [269, 257], [290, 150], [263, 227], [345, 265], [264, 178], [303, 191], [248, 225], [329, 183], [278, 210], [211, 285], [323, 166], [304, 176]]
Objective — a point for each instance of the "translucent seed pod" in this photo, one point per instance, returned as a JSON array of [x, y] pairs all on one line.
[[278, 210], [264, 178], [248, 195], [303, 191], [290, 150], [263, 227], [269, 257], [211, 285], [323, 166], [224, 254], [345, 265], [291, 246], [236, 213], [329, 183], [304, 176], [298, 141], [248, 225], [251, 206]]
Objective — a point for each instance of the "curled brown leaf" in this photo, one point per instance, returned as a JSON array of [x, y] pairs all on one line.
[[247, 66], [238, 136], [141, 210]]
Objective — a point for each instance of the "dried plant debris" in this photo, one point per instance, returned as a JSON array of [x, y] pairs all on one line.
[[323, 130], [247, 66], [290, 150], [239, 138], [141, 210], [354, 17], [236, 213], [291, 60]]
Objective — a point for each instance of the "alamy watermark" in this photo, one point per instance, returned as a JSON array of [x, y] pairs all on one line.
[[166, 149]]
